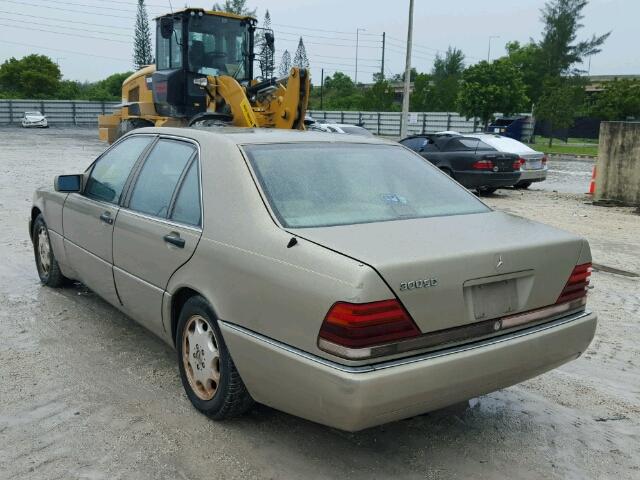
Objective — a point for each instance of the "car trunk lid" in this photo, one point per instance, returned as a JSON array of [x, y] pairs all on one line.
[[452, 271]]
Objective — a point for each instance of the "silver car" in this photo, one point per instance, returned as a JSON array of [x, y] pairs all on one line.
[[533, 164], [34, 120], [339, 278]]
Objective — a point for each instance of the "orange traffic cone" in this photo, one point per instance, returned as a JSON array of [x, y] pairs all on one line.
[[592, 185]]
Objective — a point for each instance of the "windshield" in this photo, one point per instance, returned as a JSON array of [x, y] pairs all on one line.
[[218, 46], [316, 185]]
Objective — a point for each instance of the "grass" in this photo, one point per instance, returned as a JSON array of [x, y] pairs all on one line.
[[575, 146]]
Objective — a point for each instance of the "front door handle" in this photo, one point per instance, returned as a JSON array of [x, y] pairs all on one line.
[[174, 239], [106, 218]]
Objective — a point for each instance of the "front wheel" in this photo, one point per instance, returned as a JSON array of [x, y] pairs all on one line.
[[208, 374], [46, 263]]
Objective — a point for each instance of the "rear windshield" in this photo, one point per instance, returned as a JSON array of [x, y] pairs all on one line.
[[357, 131], [317, 185]]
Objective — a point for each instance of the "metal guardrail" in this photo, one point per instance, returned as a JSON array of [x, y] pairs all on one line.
[[80, 112], [58, 112], [388, 123]]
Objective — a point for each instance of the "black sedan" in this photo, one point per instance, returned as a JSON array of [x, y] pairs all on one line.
[[472, 162]]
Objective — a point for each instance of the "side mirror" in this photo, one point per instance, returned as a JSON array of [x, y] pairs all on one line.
[[166, 27], [270, 39], [68, 183]]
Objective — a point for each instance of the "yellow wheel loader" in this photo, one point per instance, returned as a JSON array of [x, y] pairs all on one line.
[[204, 76]]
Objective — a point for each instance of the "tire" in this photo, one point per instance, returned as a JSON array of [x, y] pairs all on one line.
[[131, 124], [215, 387], [46, 263], [523, 185], [485, 191], [448, 172]]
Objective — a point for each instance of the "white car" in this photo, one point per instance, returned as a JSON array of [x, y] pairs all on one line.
[[34, 119], [533, 164], [340, 128]]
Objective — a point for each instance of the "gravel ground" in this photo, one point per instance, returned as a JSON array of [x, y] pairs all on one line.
[[86, 393]]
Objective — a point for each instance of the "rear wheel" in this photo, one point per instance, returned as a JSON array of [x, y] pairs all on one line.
[[46, 263], [523, 185], [448, 172], [131, 124], [208, 374], [484, 191]]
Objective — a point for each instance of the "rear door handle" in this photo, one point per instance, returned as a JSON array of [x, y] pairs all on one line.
[[106, 218], [174, 239]]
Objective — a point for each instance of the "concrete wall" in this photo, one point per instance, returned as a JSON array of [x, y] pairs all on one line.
[[618, 167]]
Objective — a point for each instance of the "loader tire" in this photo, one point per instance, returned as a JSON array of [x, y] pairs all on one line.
[[131, 124]]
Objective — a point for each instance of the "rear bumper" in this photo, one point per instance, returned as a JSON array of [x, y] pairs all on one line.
[[487, 179], [354, 398], [533, 175]]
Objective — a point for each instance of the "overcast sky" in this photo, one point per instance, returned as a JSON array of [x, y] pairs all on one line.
[[328, 27]]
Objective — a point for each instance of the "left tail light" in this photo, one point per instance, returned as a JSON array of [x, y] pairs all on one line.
[[361, 325], [577, 285]]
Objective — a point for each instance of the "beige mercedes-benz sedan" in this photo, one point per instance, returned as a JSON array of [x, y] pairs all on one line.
[[339, 278]]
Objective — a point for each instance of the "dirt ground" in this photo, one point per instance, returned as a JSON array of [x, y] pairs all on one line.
[[86, 393]]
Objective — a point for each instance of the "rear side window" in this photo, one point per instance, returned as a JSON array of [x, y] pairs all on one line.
[[462, 145], [159, 177], [111, 171], [187, 206], [322, 184], [485, 146]]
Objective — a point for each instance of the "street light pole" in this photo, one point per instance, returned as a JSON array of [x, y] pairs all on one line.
[[491, 37], [358, 30], [407, 76]]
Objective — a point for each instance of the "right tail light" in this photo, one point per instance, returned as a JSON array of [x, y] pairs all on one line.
[[577, 285]]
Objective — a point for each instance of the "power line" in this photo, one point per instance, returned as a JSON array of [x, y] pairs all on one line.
[[321, 30], [68, 28], [21, 44], [84, 12], [61, 20], [65, 34]]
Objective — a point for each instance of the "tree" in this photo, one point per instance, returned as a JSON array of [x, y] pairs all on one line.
[[528, 60], [341, 93], [620, 100], [438, 92], [486, 88], [285, 64], [239, 7], [378, 98], [266, 55], [33, 76], [562, 22], [561, 97], [300, 59], [142, 41]]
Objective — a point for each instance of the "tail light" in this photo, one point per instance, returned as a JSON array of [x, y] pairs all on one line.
[[360, 325], [544, 160], [517, 165], [483, 165], [577, 285]]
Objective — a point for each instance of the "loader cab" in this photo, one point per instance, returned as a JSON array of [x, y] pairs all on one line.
[[193, 44]]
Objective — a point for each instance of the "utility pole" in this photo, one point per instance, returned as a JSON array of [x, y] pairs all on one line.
[[321, 89], [407, 76], [489, 52], [384, 42], [358, 30]]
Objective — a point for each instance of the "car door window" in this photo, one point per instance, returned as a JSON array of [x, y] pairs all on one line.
[[187, 205], [159, 177], [110, 172]]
